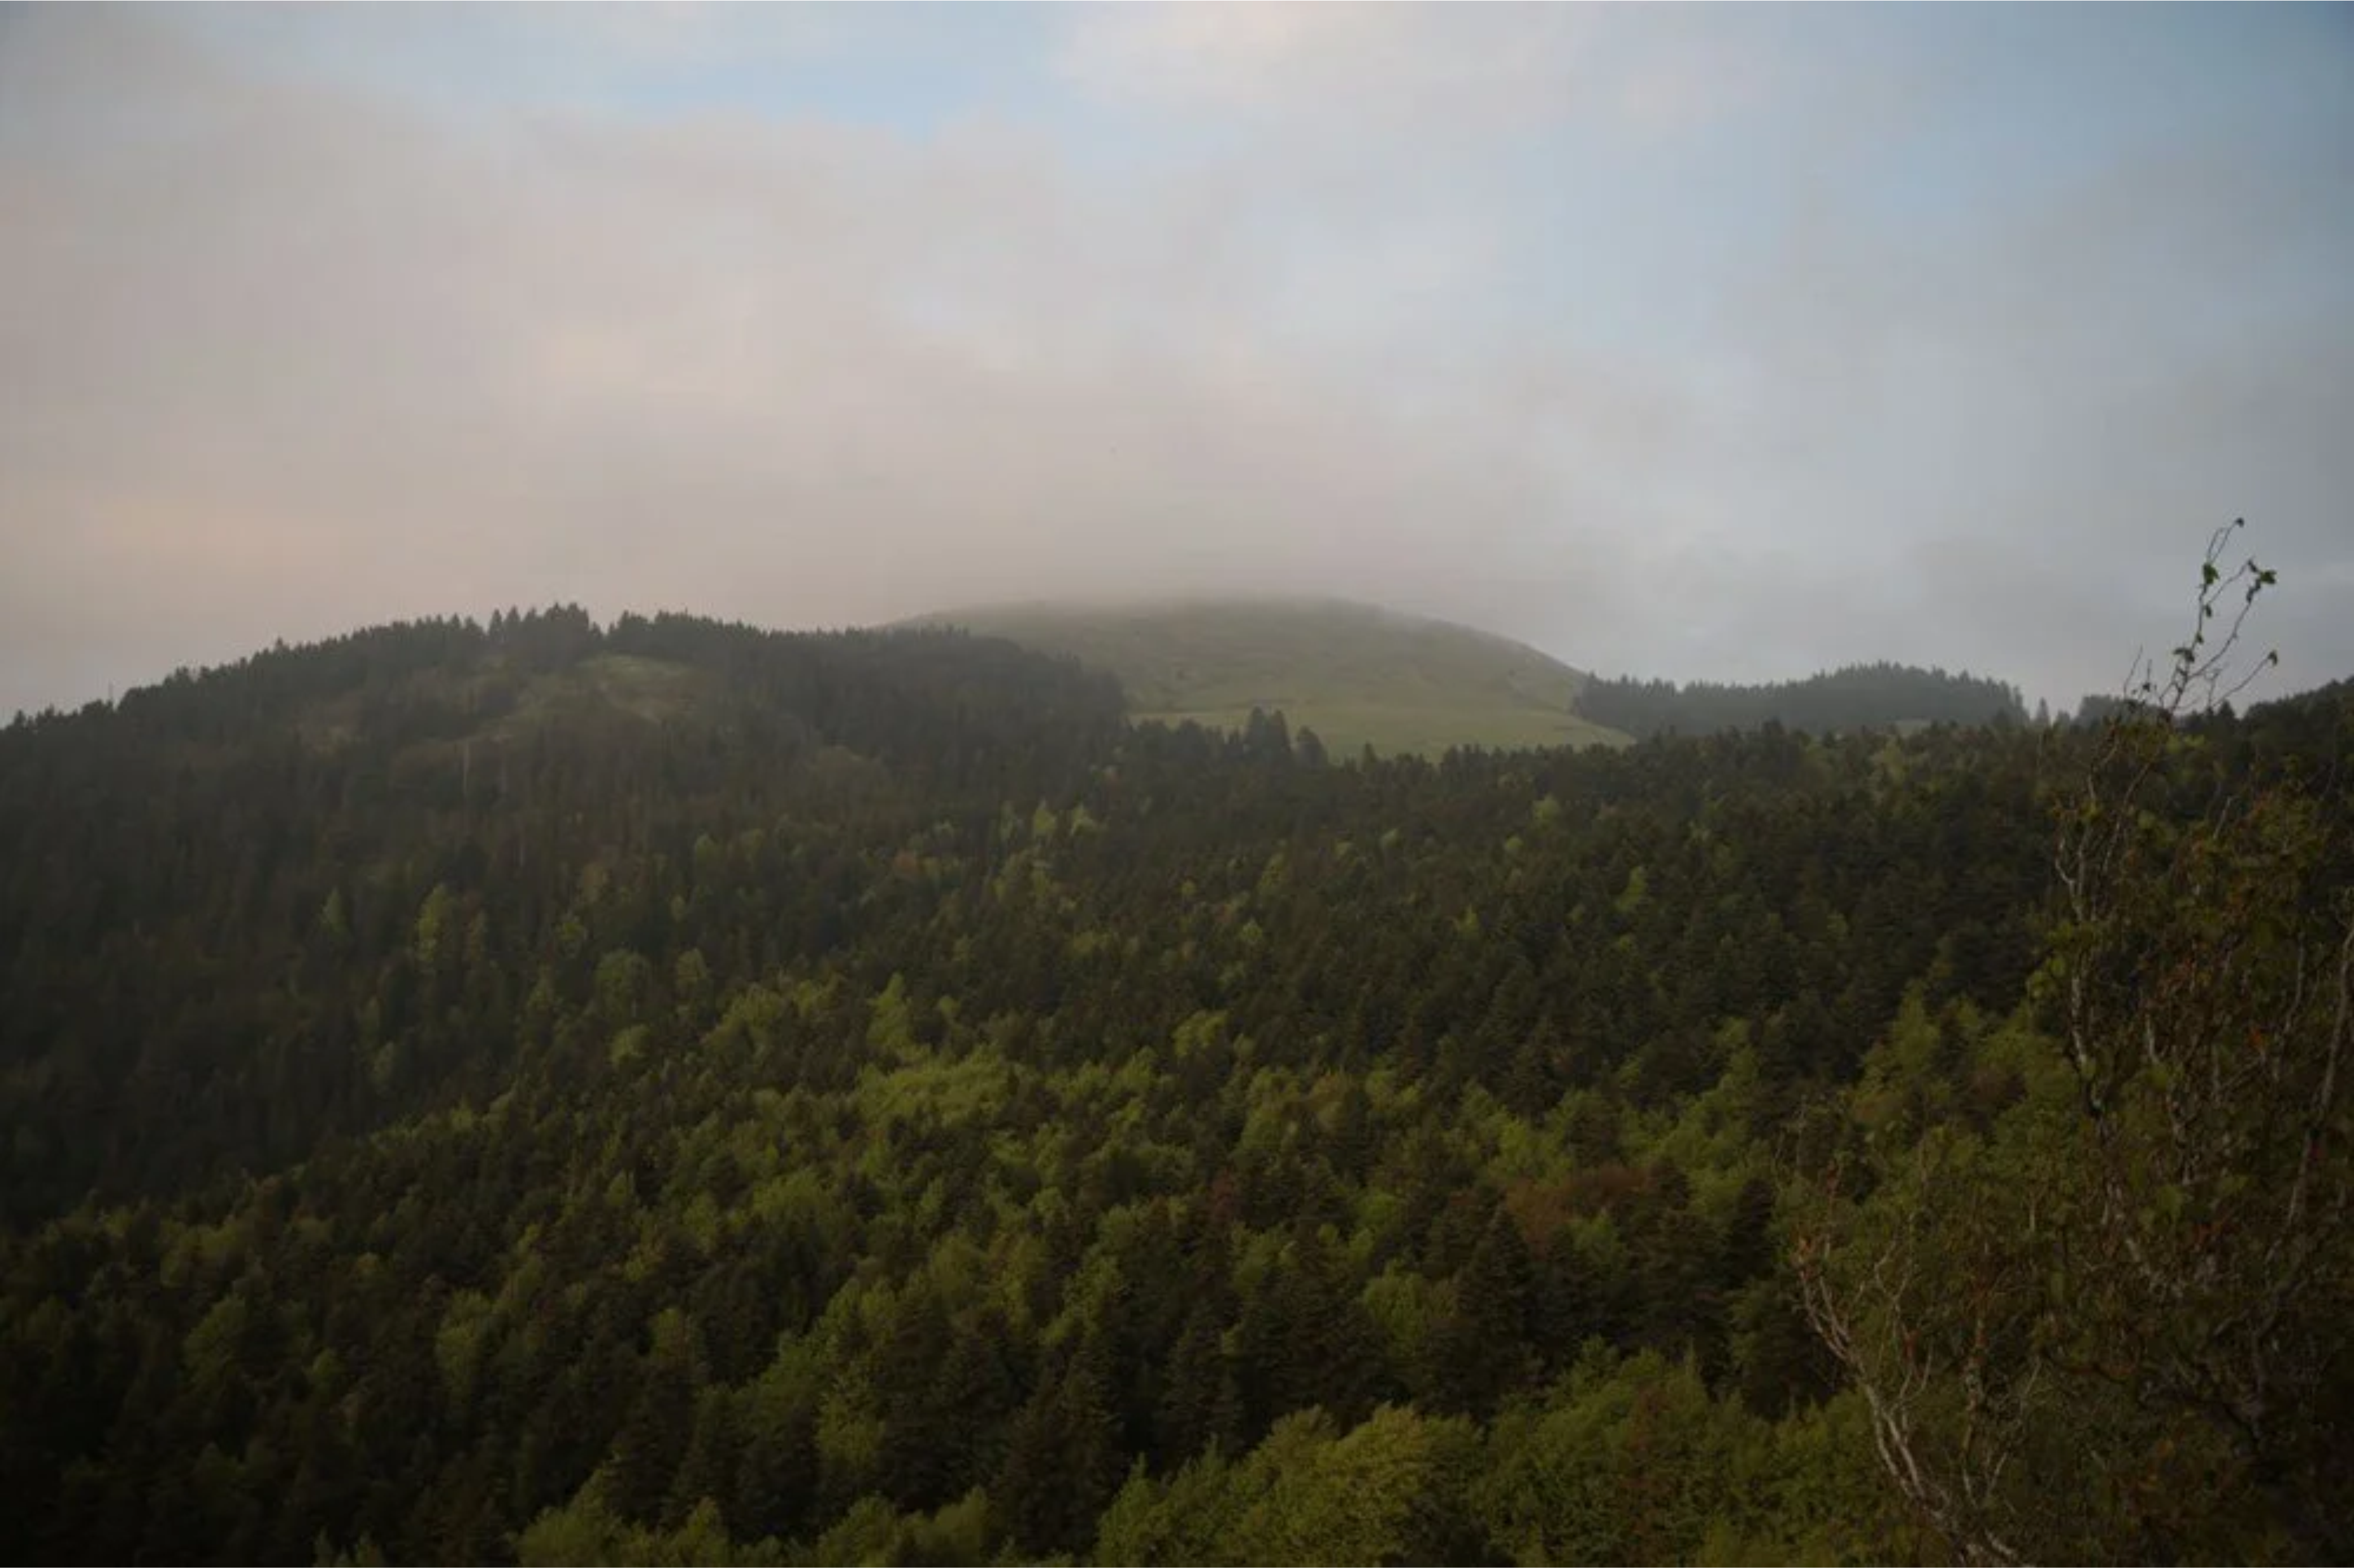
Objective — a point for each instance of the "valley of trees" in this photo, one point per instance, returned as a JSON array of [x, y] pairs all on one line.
[[675, 1093], [1859, 696]]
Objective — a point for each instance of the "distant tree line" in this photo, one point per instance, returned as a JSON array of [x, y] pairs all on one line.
[[1858, 696]]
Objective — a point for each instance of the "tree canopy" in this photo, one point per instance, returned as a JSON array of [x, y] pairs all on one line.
[[673, 1093]]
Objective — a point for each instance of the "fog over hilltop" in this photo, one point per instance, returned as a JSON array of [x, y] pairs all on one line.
[[1726, 343]]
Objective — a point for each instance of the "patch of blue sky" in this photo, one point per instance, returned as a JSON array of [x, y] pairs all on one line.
[[1921, 131], [2028, 102], [916, 71]]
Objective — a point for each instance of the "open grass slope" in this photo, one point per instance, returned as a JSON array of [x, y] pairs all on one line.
[[1355, 675]]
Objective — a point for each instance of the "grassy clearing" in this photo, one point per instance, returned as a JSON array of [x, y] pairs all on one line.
[[1353, 674]]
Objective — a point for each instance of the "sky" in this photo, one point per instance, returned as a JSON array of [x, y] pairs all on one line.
[[1706, 343]]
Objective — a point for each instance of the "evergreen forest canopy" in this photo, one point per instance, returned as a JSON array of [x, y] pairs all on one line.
[[1858, 696], [678, 1093]]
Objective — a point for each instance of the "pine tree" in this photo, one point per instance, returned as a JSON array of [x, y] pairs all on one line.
[[1483, 1349], [1062, 1462], [1199, 1402]]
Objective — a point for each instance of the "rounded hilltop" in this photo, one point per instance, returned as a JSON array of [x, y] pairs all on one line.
[[1356, 673]]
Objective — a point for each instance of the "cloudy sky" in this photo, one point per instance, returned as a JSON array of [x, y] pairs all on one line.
[[1693, 341]]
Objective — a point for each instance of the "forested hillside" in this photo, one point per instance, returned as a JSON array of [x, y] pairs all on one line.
[[1859, 696], [684, 1094]]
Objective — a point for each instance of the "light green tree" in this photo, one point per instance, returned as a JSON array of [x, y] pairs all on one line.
[[2143, 1268]]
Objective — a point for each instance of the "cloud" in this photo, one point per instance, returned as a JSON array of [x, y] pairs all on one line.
[[1456, 73], [1372, 61], [295, 345], [304, 362]]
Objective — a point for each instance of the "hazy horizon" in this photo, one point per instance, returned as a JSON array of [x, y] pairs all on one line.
[[1727, 343]]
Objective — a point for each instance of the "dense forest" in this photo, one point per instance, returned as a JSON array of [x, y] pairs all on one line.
[[1859, 696], [678, 1093]]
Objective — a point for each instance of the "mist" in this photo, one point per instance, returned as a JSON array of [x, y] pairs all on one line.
[[1726, 343]]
